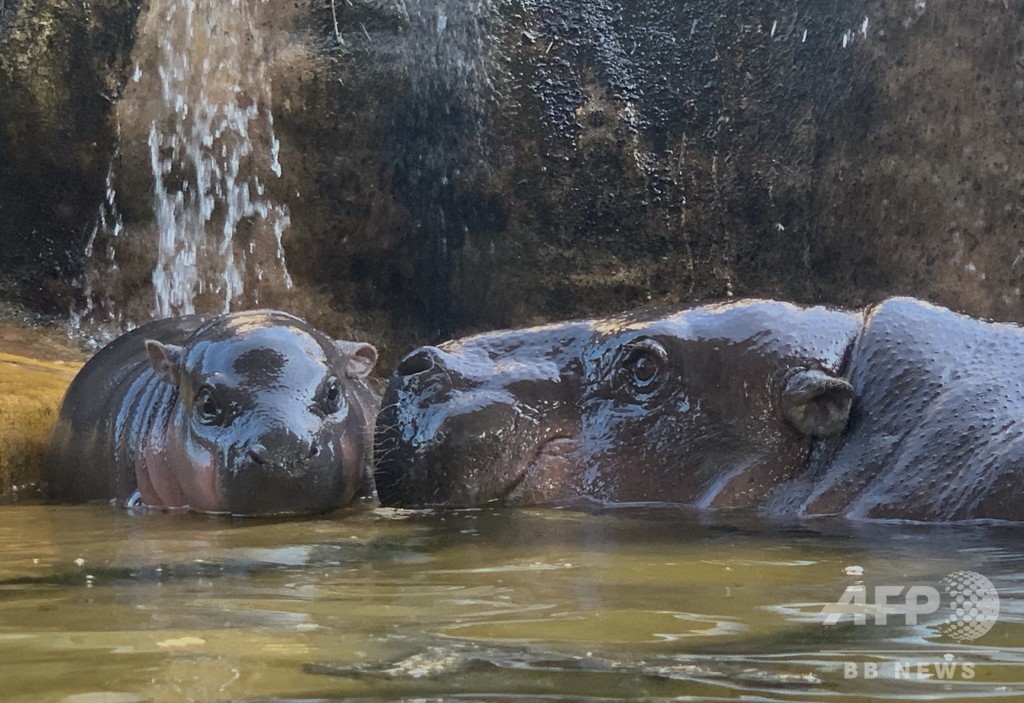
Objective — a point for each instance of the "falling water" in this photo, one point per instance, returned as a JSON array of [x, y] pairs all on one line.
[[210, 152], [198, 110], [96, 281]]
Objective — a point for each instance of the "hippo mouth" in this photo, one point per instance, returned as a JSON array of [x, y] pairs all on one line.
[[549, 477]]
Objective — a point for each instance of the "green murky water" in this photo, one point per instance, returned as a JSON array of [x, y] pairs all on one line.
[[490, 605]]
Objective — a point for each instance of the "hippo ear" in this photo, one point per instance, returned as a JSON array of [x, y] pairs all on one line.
[[359, 358], [817, 404], [164, 360]]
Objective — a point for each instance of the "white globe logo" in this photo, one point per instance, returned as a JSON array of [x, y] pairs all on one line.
[[973, 605]]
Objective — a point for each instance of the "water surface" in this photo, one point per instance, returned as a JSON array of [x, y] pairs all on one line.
[[485, 605]]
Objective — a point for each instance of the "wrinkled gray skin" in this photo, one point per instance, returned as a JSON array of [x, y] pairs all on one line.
[[905, 411], [249, 413]]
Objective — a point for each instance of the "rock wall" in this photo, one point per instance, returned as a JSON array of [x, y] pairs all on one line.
[[931, 190], [451, 166], [62, 67]]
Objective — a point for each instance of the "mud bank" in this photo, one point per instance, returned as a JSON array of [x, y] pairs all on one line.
[[35, 370]]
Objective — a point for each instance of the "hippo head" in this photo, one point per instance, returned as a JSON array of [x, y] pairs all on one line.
[[711, 406], [268, 418]]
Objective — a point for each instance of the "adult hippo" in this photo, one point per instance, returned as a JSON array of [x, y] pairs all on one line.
[[248, 413], [903, 411]]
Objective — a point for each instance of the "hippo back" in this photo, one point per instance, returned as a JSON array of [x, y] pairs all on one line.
[[94, 423], [937, 428]]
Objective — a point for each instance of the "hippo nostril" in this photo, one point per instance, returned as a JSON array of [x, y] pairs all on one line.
[[417, 361], [258, 454]]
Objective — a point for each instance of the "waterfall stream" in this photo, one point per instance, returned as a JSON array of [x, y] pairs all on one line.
[[200, 100], [210, 154]]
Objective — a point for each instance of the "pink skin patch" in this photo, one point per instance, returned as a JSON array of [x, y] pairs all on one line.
[[193, 465], [157, 485], [172, 478], [351, 458]]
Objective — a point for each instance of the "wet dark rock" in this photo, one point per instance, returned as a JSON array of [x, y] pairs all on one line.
[[663, 151], [459, 166], [62, 65]]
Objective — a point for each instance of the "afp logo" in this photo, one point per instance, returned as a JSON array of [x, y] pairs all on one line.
[[968, 603], [973, 606]]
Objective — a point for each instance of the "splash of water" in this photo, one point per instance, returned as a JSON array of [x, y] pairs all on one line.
[[197, 115], [210, 152], [97, 320]]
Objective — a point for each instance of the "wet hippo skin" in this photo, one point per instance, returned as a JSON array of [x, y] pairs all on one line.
[[249, 413], [903, 411]]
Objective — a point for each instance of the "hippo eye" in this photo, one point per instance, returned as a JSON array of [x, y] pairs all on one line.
[[330, 396], [208, 409], [643, 363]]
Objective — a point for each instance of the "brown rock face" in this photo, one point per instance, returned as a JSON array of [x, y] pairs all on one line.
[[596, 156], [457, 166], [62, 66]]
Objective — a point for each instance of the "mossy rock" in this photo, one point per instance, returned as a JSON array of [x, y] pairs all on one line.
[[30, 394]]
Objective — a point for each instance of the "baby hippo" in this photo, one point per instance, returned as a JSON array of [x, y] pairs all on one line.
[[247, 413]]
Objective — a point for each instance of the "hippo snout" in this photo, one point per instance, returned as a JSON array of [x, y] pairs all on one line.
[[416, 471], [260, 455], [284, 472], [461, 427], [434, 408]]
